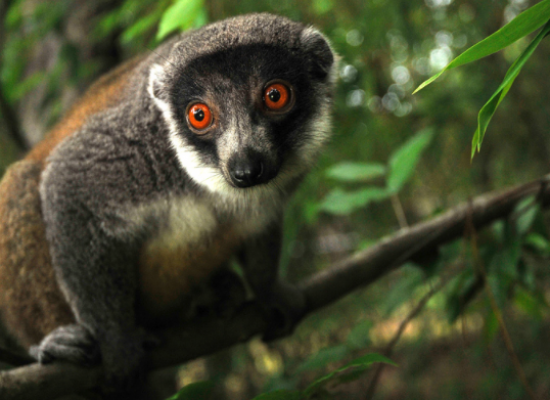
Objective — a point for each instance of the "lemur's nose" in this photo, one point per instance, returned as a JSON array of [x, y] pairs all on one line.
[[247, 170]]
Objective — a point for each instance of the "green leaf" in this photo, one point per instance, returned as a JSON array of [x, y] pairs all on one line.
[[29, 84], [195, 391], [488, 110], [525, 23], [367, 360], [461, 291], [538, 242], [528, 209], [340, 202], [504, 263], [14, 16], [354, 171], [352, 375], [181, 15], [360, 363], [403, 161], [529, 303], [140, 27], [324, 357], [359, 337], [280, 395]]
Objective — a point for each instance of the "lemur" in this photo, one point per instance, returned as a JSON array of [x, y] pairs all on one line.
[[167, 168]]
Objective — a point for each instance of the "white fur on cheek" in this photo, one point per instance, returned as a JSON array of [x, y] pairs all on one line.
[[189, 158], [318, 132]]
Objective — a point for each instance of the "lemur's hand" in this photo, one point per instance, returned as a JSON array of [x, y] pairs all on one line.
[[72, 343], [120, 354]]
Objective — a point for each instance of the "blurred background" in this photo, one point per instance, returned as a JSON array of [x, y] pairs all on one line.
[[53, 49]]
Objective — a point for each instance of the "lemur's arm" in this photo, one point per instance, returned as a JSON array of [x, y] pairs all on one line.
[[93, 252], [260, 260]]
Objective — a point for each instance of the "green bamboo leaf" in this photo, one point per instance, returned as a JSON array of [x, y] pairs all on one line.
[[403, 161], [181, 15], [360, 363], [139, 28], [368, 360], [340, 202], [487, 111], [323, 357], [195, 391], [359, 337], [538, 243], [355, 171], [525, 23]]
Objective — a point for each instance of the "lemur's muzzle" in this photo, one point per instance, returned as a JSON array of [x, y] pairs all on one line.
[[250, 168]]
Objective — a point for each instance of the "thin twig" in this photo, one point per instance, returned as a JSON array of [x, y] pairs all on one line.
[[391, 345], [399, 212], [498, 314]]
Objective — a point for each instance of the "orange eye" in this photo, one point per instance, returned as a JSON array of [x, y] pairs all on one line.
[[199, 116], [276, 96]]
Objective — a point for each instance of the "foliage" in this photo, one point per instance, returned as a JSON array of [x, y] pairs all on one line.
[[318, 389], [195, 391], [519, 27], [399, 170], [182, 15]]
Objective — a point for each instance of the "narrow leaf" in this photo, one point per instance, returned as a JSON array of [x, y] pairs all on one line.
[[525, 23], [487, 111], [360, 363], [359, 337], [324, 357], [180, 15], [539, 243], [195, 391], [403, 161], [340, 202], [368, 360], [139, 28], [355, 171]]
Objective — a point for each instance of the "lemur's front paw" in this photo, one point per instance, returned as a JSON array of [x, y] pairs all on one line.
[[286, 306], [72, 343]]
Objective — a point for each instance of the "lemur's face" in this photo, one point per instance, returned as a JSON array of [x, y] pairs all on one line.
[[252, 114]]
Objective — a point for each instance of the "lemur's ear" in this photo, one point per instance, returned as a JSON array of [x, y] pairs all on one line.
[[319, 51], [157, 87]]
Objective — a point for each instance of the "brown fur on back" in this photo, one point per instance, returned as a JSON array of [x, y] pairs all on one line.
[[30, 300]]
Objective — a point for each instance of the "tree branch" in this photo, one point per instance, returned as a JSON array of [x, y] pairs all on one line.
[[208, 336], [11, 358]]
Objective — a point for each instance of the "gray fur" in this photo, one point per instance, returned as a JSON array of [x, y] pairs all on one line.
[[131, 171]]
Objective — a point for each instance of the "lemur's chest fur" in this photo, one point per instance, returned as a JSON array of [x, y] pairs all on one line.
[[193, 240]]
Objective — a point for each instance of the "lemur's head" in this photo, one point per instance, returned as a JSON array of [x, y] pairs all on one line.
[[247, 101]]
